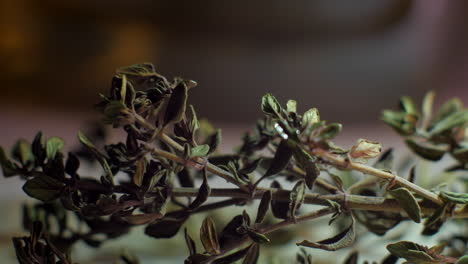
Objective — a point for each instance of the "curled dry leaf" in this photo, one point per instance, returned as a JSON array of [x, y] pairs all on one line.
[[341, 240], [209, 237]]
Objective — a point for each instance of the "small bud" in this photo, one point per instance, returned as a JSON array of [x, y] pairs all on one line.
[[365, 149]]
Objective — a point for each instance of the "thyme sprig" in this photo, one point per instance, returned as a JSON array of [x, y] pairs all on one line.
[[160, 176]]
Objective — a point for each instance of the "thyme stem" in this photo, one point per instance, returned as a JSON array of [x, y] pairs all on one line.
[[210, 167], [274, 227], [354, 202], [342, 162]]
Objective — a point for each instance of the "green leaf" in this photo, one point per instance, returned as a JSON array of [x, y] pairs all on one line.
[[408, 105], [429, 152], [302, 257], [107, 171], [185, 178], [165, 228], [438, 248], [106, 205], [415, 253], [352, 258], [427, 104], [337, 208], [306, 162], [252, 254], [449, 122], [38, 148], [390, 259], [436, 215], [378, 223], [206, 128], [190, 243], [200, 258], [401, 122], [100, 157], [203, 193], [155, 179], [385, 160], [461, 154], [291, 106], [434, 228], [127, 257], [72, 165], [338, 181], [310, 117], [142, 69], [330, 131], [43, 188], [54, 145], [177, 104], [412, 174], [281, 159], [250, 167], [233, 169], [139, 172], [408, 202], [246, 218], [257, 237], [462, 260], [409, 251], [459, 198], [449, 107], [342, 240], [214, 141], [271, 106], [123, 89], [194, 123], [113, 112], [296, 198], [279, 209], [9, 168], [187, 153], [335, 149], [200, 151], [85, 141], [21, 152], [230, 233], [263, 207], [209, 237]]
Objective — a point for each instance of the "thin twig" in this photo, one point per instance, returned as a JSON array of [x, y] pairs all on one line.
[[168, 140], [272, 228], [345, 163], [355, 202], [319, 182], [208, 207], [210, 167]]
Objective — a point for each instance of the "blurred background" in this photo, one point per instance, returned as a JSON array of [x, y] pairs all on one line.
[[339, 56], [350, 59]]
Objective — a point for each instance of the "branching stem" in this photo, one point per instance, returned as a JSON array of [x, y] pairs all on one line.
[[200, 162], [274, 227], [345, 163], [355, 202]]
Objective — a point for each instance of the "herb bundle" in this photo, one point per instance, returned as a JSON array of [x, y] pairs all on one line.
[[161, 175]]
